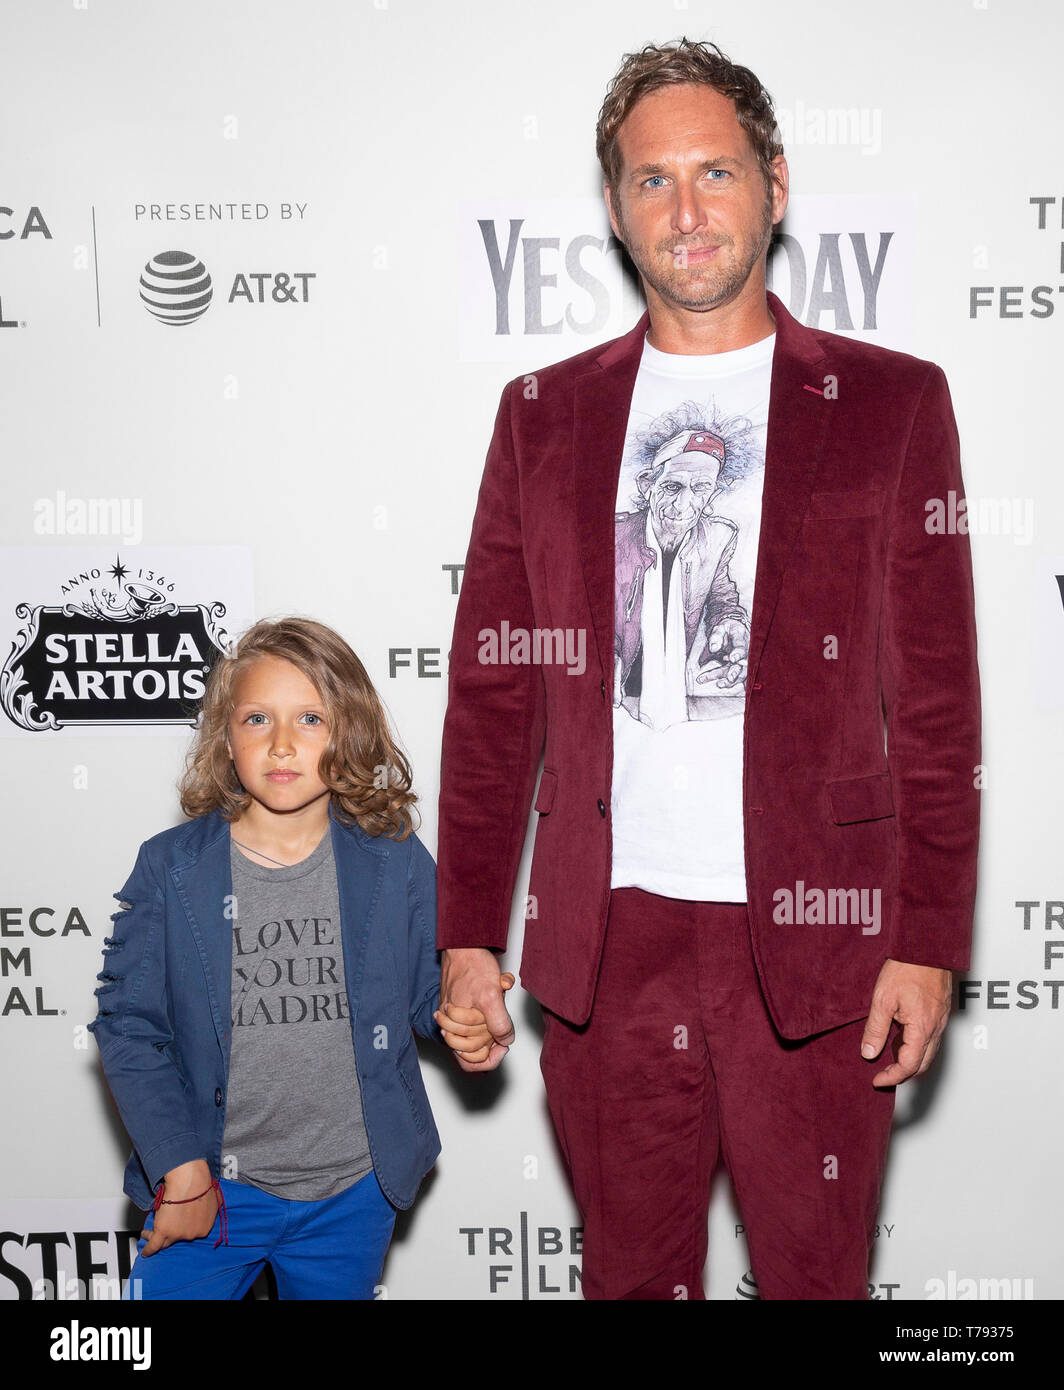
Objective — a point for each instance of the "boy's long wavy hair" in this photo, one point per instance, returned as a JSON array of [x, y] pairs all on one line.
[[367, 773]]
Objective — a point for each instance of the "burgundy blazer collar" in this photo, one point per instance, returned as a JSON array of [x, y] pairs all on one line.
[[797, 423]]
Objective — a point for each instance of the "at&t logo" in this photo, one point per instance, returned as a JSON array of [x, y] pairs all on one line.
[[176, 287]]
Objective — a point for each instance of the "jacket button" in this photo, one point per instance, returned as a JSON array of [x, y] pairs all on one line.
[[756, 810], [602, 807], [757, 685], [218, 1096]]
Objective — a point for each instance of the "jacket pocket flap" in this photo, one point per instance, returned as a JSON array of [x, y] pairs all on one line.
[[545, 795], [844, 504], [861, 798]]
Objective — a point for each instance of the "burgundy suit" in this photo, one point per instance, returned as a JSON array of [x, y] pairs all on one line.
[[859, 440], [678, 1032]]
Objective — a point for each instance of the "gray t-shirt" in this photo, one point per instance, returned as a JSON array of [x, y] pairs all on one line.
[[293, 1121]]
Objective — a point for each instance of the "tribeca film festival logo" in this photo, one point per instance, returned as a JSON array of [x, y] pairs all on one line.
[[1006, 301], [21, 226], [819, 907], [16, 960], [176, 287], [537, 1261], [121, 655], [1047, 920]]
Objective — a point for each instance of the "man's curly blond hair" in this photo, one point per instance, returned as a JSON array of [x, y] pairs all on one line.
[[685, 61]]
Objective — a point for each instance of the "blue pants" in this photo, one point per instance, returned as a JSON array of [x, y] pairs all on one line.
[[331, 1249]]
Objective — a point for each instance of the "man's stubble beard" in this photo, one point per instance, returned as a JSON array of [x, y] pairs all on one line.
[[720, 287]]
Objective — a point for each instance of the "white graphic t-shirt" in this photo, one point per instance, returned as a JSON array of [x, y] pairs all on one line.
[[686, 531]]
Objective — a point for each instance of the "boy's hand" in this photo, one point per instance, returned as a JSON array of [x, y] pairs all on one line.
[[465, 1031], [190, 1220]]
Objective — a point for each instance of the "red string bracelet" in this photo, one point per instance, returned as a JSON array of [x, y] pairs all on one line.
[[161, 1201]]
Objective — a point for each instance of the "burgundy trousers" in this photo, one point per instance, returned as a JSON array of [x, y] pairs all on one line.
[[680, 1064]]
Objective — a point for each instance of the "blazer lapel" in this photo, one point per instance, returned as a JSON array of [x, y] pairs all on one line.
[[797, 422], [798, 417], [602, 399], [205, 887], [360, 865]]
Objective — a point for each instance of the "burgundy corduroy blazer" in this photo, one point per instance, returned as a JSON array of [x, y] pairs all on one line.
[[859, 767]]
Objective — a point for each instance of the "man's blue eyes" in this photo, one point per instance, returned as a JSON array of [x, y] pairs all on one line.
[[656, 180]]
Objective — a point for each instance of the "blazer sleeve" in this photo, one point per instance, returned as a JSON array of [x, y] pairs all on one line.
[[423, 960], [495, 724], [133, 1029], [930, 680]]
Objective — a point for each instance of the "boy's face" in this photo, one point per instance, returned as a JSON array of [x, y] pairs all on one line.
[[278, 730]]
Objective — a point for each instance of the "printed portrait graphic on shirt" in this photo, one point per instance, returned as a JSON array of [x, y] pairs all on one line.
[[683, 584]]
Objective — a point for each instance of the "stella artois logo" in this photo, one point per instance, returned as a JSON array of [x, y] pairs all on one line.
[[117, 651]]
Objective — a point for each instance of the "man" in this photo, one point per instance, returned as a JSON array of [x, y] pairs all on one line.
[[712, 982]]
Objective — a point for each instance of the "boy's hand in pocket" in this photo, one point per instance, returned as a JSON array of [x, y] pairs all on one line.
[[190, 1219]]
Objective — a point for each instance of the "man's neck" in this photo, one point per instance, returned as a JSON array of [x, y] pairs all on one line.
[[744, 320]]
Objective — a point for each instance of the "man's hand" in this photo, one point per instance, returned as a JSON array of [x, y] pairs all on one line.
[[190, 1220], [919, 997], [464, 1030], [729, 643], [470, 979]]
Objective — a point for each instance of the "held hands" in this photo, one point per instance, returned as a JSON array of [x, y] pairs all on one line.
[[472, 1015], [919, 997], [191, 1220], [465, 1030]]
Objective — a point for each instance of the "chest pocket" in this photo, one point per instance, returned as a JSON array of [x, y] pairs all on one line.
[[838, 506]]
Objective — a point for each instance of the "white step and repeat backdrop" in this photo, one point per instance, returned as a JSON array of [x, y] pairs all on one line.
[[388, 208]]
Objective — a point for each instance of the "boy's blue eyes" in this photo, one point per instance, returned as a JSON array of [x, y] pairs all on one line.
[[254, 718]]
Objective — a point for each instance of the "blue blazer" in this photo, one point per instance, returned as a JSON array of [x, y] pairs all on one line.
[[164, 1002]]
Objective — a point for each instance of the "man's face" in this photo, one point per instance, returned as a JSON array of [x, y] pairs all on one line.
[[682, 493], [691, 206]]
